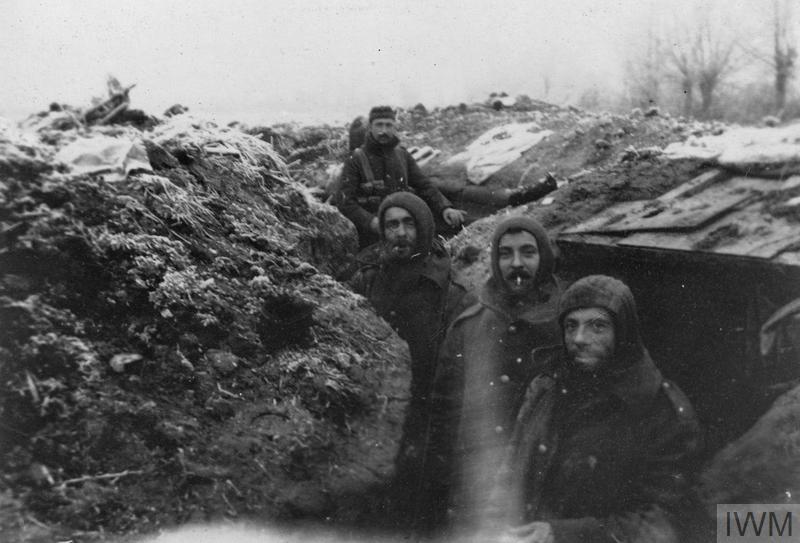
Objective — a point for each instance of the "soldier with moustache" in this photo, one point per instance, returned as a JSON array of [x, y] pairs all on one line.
[[414, 289], [485, 365], [379, 167]]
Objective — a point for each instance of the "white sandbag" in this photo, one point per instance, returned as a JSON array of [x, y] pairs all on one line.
[[113, 158], [497, 148]]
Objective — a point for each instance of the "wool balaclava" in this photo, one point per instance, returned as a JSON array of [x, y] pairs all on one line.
[[421, 213], [546, 259], [615, 297]]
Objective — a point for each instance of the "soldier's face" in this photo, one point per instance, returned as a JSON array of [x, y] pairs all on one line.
[[589, 338], [518, 260], [383, 130], [400, 233]]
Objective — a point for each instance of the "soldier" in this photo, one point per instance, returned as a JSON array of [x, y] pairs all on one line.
[[380, 167], [485, 363], [412, 287], [603, 442]]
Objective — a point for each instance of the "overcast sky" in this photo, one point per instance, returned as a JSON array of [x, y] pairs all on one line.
[[265, 61]]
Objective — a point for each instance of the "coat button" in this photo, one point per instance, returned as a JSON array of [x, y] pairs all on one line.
[[542, 448], [504, 379]]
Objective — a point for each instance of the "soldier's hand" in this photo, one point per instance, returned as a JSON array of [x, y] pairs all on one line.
[[375, 225], [453, 217]]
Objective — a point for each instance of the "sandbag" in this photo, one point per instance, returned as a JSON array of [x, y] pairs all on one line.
[[113, 158]]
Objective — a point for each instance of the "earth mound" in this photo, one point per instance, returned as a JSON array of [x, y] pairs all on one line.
[[174, 347]]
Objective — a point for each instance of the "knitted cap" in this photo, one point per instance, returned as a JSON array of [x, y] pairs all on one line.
[[419, 210], [382, 112], [615, 297], [546, 260]]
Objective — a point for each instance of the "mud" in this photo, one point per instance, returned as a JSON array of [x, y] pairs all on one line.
[[175, 350]]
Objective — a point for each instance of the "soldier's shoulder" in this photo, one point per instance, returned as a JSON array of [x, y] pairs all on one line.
[[471, 309], [356, 157]]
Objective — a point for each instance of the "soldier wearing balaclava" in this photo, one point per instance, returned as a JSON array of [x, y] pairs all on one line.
[[485, 363]]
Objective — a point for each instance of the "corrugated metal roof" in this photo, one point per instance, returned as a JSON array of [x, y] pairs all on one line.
[[715, 213]]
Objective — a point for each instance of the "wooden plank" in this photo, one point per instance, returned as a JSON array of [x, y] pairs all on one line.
[[674, 215], [687, 212], [616, 212], [687, 207], [745, 232], [699, 183]]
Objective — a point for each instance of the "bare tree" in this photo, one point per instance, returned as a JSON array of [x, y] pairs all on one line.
[[784, 53], [781, 54], [644, 72], [713, 58], [703, 55], [682, 63]]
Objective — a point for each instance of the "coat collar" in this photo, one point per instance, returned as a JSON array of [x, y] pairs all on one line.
[[373, 146], [432, 267], [543, 305], [635, 385]]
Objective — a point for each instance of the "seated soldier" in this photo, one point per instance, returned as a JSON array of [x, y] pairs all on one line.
[[381, 167], [463, 192]]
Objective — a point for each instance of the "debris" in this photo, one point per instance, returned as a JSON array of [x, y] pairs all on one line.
[[602, 144], [101, 477], [112, 158], [176, 109], [119, 362], [423, 155], [117, 102], [224, 362], [497, 148], [632, 154], [40, 474], [228, 393]]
